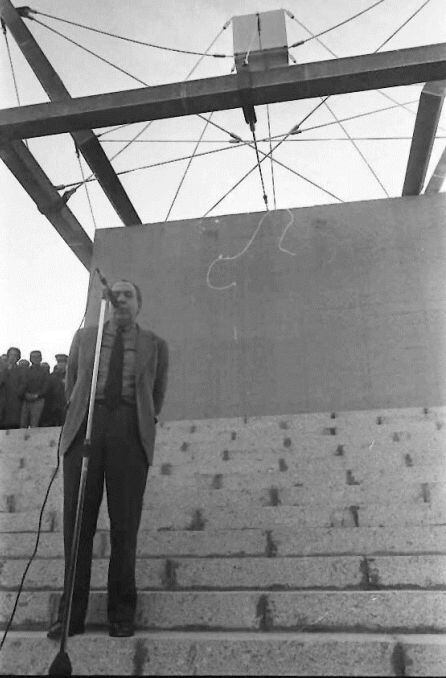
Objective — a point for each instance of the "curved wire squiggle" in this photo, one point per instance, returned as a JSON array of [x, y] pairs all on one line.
[[246, 248], [289, 224], [232, 258]]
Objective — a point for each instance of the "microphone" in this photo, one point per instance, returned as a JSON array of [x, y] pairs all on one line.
[[107, 289]]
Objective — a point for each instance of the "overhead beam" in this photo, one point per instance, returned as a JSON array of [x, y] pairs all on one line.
[[86, 141], [439, 175], [425, 129], [335, 76], [31, 176]]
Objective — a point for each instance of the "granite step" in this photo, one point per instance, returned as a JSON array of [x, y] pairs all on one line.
[[231, 653], [200, 517], [286, 572], [395, 611], [318, 541], [28, 494]]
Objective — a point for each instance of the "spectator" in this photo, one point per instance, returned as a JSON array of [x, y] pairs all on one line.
[[45, 367], [36, 382], [23, 363], [3, 358], [55, 402], [12, 386]]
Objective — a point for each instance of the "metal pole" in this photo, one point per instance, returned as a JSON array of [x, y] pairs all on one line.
[[61, 664]]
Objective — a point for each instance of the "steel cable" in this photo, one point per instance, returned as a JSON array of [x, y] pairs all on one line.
[[122, 37]]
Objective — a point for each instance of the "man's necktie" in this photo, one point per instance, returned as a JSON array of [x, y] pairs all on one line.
[[113, 385]]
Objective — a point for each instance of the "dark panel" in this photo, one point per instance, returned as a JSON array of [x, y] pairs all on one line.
[[346, 316]]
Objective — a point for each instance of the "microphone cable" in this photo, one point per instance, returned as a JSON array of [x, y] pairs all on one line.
[[39, 528]]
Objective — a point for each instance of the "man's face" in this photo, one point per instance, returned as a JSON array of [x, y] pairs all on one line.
[[127, 309], [12, 357], [35, 357]]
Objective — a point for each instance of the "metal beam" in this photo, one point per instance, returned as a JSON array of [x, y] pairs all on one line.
[[86, 141], [438, 177], [425, 128], [29, 173], [335, 76]]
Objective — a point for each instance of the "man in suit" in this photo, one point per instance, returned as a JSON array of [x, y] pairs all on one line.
[[131, 385]]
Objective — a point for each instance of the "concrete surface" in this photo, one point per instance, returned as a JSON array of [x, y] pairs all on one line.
[[352, 316]]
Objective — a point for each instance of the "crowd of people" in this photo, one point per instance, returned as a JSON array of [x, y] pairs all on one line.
[[30, 394]]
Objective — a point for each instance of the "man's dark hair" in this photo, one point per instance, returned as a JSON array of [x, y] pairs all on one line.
[[137, 290], [14, 348]]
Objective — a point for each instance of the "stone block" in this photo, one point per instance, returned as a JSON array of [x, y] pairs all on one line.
[[211, 653]]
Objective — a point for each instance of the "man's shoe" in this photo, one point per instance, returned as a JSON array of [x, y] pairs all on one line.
[[121, 630], [55, 631]]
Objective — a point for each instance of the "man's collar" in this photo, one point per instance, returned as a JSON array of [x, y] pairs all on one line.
[[113, 326]]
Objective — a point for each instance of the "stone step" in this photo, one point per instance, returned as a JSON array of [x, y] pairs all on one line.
[[375, 610], [24, 495], [307, 421], [264, 517], [300, 452], [327, 572], [223, 573], [428, 540], [213, 437], [357, 445], [166, 477], [229, 653]]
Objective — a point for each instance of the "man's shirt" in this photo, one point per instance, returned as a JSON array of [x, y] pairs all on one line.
[[128, 371]]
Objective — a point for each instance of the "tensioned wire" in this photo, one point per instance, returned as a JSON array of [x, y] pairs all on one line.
[[132, 40], [359, 151], [311, 113], [135, 138], [208, 121], [174, 49], [294, 130], [149, 44], [341, 23], [239, 145], [231, 134], [11, 64], [325, 46], [260, 141], [5, 33]]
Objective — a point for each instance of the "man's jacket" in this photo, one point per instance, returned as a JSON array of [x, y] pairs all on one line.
[[150, 384]]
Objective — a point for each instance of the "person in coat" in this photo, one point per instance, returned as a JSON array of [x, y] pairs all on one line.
[[131, 386], [12, 386], [55, 402]]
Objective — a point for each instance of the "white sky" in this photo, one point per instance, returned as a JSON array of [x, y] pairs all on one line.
[[44, 285]]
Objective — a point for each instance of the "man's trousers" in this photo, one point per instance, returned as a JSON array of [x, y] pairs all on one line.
[[31, 413], [117, 457]]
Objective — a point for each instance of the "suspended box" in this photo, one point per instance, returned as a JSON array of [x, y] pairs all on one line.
[[262, 39]]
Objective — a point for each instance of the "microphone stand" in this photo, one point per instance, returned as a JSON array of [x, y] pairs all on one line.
[[61, 665]]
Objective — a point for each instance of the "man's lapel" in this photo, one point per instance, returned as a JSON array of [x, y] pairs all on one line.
[[145, 347]]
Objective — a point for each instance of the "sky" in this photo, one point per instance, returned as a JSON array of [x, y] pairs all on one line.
[[43, 283]]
